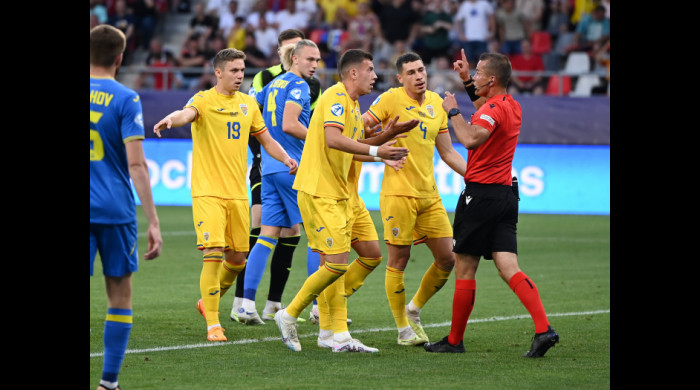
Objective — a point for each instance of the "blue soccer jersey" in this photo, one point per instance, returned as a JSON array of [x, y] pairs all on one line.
[[116, 117], [285, 88]]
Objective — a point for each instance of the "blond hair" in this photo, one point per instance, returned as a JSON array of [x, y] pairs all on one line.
[[288, 51]]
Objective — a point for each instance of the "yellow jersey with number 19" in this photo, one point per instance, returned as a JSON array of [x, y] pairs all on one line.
[[416, 178], [220, 142], [323, 171]]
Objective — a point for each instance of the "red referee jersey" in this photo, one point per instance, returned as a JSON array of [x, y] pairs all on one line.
[[492, 161]]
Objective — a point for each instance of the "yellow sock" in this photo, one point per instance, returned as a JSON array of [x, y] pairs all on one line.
[[227, 275], [396, 294], [433, 280], [209, 285], [358, 271], [324, 313], [313, 286], [338, 305]]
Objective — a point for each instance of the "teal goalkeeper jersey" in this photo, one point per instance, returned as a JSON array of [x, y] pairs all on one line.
[[116, 117]]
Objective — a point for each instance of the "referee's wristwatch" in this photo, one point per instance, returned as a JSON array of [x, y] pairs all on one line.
[[453, 112]]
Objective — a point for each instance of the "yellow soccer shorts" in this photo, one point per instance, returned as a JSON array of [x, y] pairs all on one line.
[[409, 220], [221, 223], [363, 228], [327, 223]]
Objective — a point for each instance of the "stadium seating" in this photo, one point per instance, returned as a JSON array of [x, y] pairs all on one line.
[[553, 86], [584, 85], [577, 62], [541, 43]]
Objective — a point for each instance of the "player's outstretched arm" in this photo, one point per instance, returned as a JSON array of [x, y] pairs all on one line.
[[175, 119], [336, 140], [378, 136]]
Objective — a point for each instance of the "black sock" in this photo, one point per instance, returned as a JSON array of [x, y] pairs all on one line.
[[279, 266]]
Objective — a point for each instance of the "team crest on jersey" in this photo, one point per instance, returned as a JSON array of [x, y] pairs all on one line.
[[395, 231], [337, 109], [329, 242], [244, 109], [431, 111], [206, 236], [296, 93]]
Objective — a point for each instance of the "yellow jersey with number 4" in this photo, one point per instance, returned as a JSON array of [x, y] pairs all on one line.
[[220, 142], [416, 178]]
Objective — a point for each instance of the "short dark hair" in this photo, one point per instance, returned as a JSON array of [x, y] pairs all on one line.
[[226, 55], [289, 34], [106, 43], [352, 57], [406, 58], [498, 65]]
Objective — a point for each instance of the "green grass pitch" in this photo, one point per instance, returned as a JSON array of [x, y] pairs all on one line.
[[567, 256]]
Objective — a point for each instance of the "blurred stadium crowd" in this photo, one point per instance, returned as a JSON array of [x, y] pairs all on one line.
[[551, 43]]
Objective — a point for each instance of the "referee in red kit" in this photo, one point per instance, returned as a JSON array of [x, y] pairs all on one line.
[[486, 215]]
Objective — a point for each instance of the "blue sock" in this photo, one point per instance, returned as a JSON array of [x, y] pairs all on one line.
[[116, 337], [313, 260], [257, 261]]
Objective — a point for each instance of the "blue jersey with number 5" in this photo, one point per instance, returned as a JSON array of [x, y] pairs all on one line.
[[115, 119]]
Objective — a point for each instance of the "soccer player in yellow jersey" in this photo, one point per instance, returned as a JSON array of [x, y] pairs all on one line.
[[411, 207], [364, 240], [221, 121], [336, 133]]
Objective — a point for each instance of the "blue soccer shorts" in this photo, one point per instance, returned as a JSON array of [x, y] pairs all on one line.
[[117, 247], [279, 200]]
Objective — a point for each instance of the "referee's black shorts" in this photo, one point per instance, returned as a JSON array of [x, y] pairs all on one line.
[[486, 219]]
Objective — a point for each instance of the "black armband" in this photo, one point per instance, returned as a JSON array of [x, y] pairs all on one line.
[[471, 89]]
